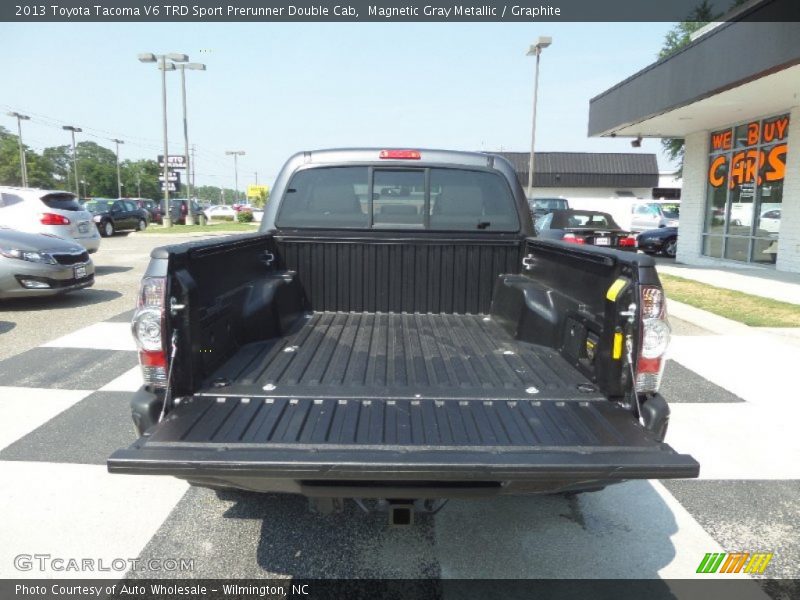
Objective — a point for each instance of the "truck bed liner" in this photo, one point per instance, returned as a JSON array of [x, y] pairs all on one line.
[[398, 356]]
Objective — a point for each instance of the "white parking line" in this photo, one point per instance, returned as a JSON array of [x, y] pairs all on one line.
[[100, 336], [24, 409], [651, 534], [129, 381], [81, 512]]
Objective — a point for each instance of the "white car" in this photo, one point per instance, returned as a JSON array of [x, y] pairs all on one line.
[[771, 221], [48, 211], [220, 211]]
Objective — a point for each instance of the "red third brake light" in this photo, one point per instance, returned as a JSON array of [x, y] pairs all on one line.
[[53, 219], [401, 154]]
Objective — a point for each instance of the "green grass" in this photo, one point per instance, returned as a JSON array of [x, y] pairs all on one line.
[[738, 306], [215, 228]]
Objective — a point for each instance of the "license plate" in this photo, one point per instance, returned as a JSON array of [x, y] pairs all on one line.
[[83, 228], [602, 241], [80, 271]]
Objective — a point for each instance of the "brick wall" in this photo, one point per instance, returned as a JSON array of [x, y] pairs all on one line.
[[789, 241], [695, 166]]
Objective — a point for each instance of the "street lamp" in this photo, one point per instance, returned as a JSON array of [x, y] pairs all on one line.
[[74, 130], [164, 66], [183, 67], [85, 192], [23, 165], [535, 50], [119, 180], [236, 154]]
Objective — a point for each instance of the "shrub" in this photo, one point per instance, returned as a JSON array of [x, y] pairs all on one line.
[[244, 216]]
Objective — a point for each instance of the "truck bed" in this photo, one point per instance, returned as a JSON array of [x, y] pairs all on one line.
[[399, 356], [360, 403]]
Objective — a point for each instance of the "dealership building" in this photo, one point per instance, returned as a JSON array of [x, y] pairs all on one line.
[[733, 95]]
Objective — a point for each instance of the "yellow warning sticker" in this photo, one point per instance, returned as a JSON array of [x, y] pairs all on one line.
[[616, 288], [616, 352]]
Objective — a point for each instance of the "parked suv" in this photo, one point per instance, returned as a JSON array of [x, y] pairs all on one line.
[[111, 216], [153, 208], [178, 209], [48, 211]]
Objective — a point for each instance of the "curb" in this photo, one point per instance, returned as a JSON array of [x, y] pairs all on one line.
[[706, 320]]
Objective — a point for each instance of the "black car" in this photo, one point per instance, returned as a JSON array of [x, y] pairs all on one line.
[[179, 207], [663, 240], [111, 216], [584, 227]]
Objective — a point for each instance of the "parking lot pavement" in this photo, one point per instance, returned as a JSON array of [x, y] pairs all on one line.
[[65, 395]]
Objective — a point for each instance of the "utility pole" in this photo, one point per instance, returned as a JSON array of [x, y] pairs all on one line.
[[119, 180], [256, 174], [74, 130], [535, 50], [194, 168], [22, 162], [138, 184], [236, 154], [183, 67]]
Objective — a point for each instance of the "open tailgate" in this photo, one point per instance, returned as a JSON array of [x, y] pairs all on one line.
[[402, 440]]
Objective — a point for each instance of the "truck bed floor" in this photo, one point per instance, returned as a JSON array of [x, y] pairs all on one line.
[[398, 356]]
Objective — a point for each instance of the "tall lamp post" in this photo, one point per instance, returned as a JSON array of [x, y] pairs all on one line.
[[22, 162], [236, 154], [535, 50], [74, 130], [164, 66], [183, 67], [119, 179]]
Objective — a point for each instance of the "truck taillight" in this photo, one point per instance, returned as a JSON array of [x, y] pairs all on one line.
[[148, 330], [655, 334]]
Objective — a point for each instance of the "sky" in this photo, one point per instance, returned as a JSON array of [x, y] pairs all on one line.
[[275, 89]]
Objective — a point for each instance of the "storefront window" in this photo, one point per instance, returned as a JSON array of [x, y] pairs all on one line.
[[747, 164]]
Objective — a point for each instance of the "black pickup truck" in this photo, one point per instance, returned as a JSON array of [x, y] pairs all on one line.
[[395, 330]]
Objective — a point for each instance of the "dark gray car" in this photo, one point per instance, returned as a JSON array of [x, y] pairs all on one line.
[[33, 264]]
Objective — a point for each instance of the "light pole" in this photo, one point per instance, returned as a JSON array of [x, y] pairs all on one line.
[[236, 154], [85, 192], [183, 67], [164, 66], [74, 130], [23, 165], [535, 50], [119, 180]]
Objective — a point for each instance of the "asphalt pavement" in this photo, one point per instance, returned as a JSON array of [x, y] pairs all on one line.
[[68, 367]]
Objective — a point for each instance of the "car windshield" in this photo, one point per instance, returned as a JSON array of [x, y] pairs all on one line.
[[98, 206], [582, 219], [671, 211], [549, 203]]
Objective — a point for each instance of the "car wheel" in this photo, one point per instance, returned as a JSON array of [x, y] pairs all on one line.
[[142, 225], [671, 247], [107, 229]]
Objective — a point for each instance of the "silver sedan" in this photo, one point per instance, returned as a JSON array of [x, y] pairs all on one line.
[[33, 264]]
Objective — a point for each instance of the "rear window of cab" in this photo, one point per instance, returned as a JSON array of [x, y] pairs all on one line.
[[426, 198]]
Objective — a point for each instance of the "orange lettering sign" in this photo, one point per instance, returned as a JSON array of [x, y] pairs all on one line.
[[752, 134], [721, 140], [776, 162], [715, 178], [776, 130]]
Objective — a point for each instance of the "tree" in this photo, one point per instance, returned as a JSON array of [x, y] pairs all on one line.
[[140, 179], [40, 172], [679, 37]]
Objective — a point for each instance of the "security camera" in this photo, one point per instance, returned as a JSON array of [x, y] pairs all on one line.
[[637, 143]]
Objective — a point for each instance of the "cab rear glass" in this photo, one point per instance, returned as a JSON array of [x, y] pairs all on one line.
[[426, 198]]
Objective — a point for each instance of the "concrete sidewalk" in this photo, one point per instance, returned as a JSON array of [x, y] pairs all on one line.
[[767, 283]]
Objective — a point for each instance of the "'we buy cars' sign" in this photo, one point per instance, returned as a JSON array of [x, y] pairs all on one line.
[[751, 153], [174, 161]]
